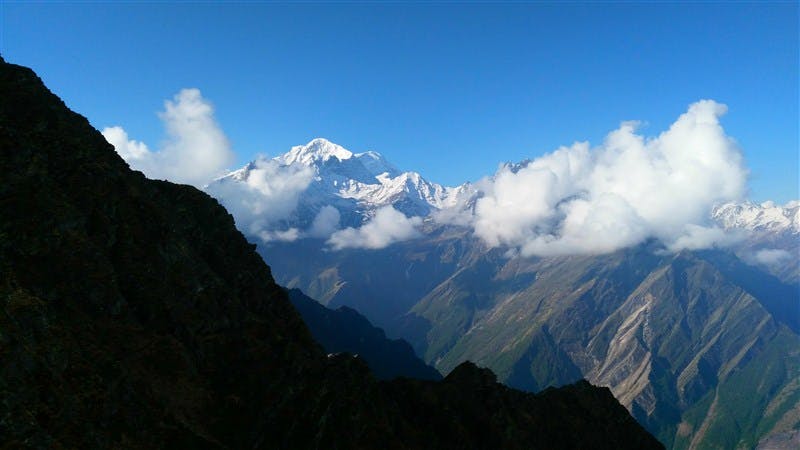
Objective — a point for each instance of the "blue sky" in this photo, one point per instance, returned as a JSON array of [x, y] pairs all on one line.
[[449, 90]]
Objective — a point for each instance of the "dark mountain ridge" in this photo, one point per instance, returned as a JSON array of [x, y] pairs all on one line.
[[344, 330], [134, 315]]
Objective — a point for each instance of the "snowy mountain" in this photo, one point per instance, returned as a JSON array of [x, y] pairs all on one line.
[[315, 189], [764, 217], [771, 235], [356, 184]]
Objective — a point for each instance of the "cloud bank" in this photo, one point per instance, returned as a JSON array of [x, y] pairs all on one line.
[[385, 228], [596, 200], [195, 151], [575, 200]]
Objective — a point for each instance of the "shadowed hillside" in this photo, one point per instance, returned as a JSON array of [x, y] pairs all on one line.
[[134, 315], [345, 330]]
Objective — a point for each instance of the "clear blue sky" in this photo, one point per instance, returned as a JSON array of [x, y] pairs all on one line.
[[449, 90]]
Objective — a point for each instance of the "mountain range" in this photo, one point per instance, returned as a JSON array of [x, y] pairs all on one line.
[[701, 346], [356, 184]]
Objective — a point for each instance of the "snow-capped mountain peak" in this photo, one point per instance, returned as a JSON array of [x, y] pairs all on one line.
[[766, 216], [316, 151], [356, 184]]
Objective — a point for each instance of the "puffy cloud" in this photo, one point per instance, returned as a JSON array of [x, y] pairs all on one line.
[[129, 150], [630, 188], [262, 195], [325, 223], [195, 151], [385, 228]]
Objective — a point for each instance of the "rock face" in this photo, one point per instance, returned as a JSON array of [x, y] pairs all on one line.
[[134, 315]]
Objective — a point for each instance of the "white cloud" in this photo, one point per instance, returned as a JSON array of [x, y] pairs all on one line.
[[385, 228], [325, 223], [582, 200], [696, 237], [290, 235], [769, 257], [262, 195], [129, 150], [195, 151], [458, 214], [576, 199]]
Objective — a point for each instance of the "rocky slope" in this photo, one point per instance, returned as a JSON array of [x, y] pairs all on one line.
[[701, 347], [134, 315]]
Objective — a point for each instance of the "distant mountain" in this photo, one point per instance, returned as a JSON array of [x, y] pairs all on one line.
[[671, 334], [702, 348], [762, 218], [770, 235], [356, 184], [134, 315], [344, 330]]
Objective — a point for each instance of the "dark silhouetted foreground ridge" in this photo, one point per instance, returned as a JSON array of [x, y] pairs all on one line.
[[134, 315]]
